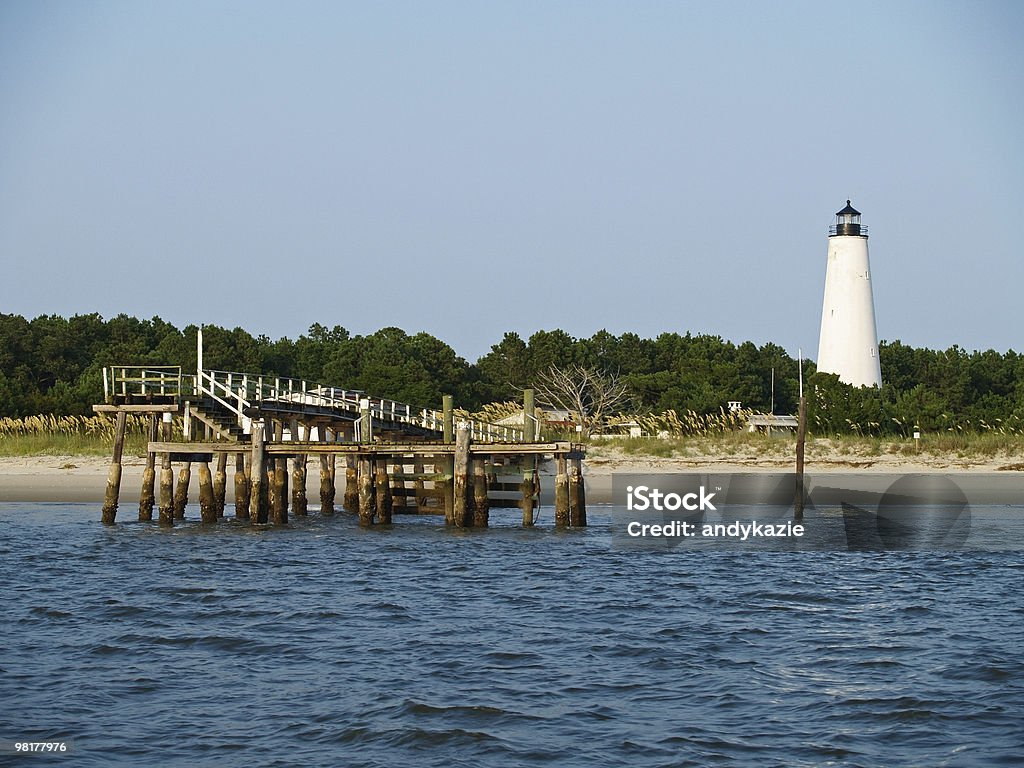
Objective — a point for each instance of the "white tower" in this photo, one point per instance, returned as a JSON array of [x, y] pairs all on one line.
[[848, 345]]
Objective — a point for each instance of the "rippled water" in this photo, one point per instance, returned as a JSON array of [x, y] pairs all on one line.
[[325, 645]]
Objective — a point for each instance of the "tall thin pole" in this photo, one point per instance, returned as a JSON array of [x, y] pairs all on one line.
[[801, 436], [800, 368]]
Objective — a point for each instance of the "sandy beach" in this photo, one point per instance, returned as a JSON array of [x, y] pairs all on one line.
[[83, 478]]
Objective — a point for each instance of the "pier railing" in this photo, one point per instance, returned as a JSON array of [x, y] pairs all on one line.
[[240, 393], [134, 383]]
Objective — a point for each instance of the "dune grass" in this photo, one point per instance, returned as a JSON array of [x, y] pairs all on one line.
[[716, 436], [742, 444], [69, 436]]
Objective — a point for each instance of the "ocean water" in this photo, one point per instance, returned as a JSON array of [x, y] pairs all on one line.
[[324, 644]]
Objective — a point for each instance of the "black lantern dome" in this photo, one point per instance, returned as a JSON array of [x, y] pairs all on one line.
[[848, 223]]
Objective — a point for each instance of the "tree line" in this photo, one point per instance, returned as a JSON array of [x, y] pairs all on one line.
[[53, 365]]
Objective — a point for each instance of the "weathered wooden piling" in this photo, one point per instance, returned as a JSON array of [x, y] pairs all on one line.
[[220, 481], [207, 507], [265, 491], [181, 492], [481, 503], [326, 476], [300, 504], [350, 501], [166, 477], [526, 488], [277, 474], [147, 499], [327, 486], [146, 495], [242, 482], [279, 503], [258, 492], [114, 473], [577, 496], [367, 505], [382, 491], [561, 493], [166, 490], [460, 478]]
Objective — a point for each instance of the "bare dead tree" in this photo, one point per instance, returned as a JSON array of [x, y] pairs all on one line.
[[590, 394]]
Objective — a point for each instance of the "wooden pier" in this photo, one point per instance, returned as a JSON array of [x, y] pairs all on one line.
[[396, 459]]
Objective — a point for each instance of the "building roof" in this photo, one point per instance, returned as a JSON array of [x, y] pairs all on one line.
[[848, 209]]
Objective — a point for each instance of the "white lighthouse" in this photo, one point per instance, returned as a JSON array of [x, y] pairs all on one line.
[[848, 345]]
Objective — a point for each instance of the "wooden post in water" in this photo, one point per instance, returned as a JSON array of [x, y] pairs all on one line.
[[146, 496], [529, 417], [382, 490], [258, 472], [460, 478], [181, 492], [279, 507], [277, 474], [332, 465], [241, 488], [801, 437], [300, 504], [166, 490], [350, 501], [367, 507], [166, 477], [326, 476], [447, 484], [561, 492], [447, 461], [481, 503], [527, 488], [207, 507], [271, 465], [577, 496], [220, 483], [114, 473]]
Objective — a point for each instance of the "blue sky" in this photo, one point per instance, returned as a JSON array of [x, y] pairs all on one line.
[[471, 168]]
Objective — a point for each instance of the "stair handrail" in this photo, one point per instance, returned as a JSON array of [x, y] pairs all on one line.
[[237, 400], [254, 388]]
